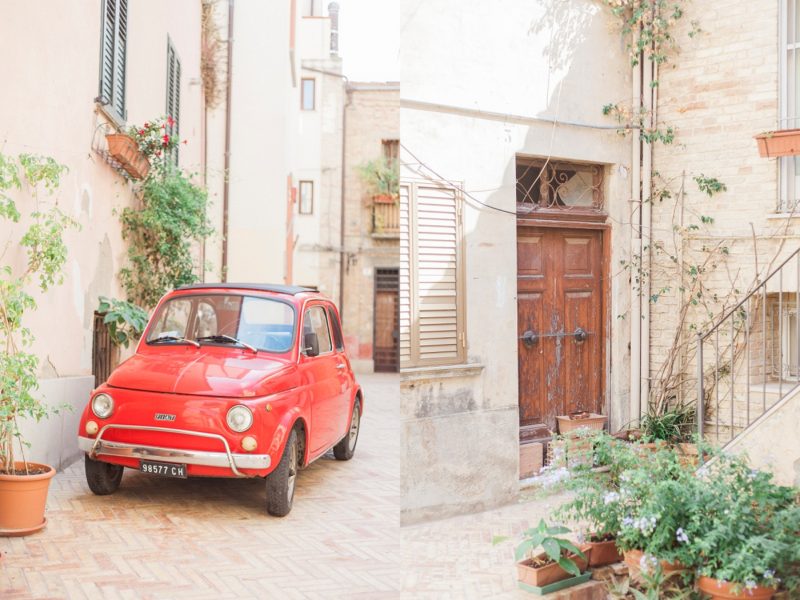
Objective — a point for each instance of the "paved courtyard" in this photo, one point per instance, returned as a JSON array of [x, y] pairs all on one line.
[[205, 538], [454, 558]]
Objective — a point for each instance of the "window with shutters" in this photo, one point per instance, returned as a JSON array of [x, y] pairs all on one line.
[[173, 95], [432, 319], [112, 58]]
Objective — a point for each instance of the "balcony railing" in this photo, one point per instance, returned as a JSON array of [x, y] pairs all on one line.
[[750, 360], [386, 218]]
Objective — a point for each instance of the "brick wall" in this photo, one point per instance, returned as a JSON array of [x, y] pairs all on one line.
[[372, 116], [718, 91]]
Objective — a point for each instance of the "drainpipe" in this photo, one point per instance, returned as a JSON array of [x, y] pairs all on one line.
[[636, 250], [227, 168], [647, 221]]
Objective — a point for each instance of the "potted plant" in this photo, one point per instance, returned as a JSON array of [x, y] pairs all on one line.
[[24, 484], [597, 504], [772, 144], [140, 146], [560, 559], [580, 420], [382, 178], [750, 529]]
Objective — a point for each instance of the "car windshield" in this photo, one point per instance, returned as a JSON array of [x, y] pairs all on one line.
[[262, 323]]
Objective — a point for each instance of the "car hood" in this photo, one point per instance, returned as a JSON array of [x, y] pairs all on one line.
[[198, 372]]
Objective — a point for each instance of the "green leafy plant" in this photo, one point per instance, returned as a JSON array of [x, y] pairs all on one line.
[[709, 185], [382, 176], [749, 531], [125, 320], [647, 27], [557, 549], [673, 424], [160, 235], [45, 257]]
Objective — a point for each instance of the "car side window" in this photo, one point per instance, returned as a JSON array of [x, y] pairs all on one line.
[[337, 330], [174, 319], [316, 321]]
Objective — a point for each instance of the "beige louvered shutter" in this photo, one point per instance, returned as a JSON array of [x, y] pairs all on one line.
[[405, 278], [437, 331]]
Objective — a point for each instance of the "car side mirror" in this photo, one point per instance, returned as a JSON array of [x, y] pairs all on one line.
[[311, 344]]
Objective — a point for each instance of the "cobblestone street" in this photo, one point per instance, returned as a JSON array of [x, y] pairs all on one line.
[[211, 538], [454, 558]]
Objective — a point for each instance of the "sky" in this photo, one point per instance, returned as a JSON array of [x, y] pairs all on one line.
[[369, 39]]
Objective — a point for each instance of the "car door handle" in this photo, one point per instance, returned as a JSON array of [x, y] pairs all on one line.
[[341, 366]]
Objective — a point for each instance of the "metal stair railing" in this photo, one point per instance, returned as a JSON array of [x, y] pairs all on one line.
[[752, 352]]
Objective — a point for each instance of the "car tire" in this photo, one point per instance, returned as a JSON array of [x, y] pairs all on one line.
[[103, 478], [281, 482], [346, 447]]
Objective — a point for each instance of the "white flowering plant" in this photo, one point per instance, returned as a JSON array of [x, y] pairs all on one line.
[[750, 530]]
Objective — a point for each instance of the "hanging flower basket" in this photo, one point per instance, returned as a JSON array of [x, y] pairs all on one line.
[[773, 144], [125, 150]]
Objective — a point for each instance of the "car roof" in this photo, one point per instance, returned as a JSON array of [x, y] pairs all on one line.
[[291, 290]]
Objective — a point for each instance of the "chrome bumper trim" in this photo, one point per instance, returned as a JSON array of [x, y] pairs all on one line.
[[224, 459]]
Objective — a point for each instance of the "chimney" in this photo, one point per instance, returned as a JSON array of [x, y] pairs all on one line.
[[333, 13]]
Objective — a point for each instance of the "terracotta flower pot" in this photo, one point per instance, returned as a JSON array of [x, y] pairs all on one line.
[[125, 151], [383, 199], [604, 553], [23, 499], [550, 573], [722, 590], [633, 560], [778, 143], [569, 423]]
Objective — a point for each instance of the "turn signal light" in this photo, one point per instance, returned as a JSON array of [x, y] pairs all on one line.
[[249, 443], [91, 427]]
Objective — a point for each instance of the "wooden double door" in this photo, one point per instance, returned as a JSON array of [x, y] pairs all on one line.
[[560, 314]]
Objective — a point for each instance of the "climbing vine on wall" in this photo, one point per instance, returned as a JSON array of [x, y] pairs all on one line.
[[161, 231]]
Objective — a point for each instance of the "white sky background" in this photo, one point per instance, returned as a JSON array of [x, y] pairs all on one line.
[[369, 39]]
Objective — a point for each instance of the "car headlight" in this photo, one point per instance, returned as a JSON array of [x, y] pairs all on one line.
[[239, 418], [102, 406]]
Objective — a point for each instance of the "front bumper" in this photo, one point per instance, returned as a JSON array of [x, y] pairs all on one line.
[[225, 459]]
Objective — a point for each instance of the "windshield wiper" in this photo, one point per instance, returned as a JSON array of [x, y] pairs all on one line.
[[174, 338], [225, 338]]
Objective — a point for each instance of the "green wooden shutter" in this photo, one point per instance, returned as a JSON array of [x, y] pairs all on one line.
[[173, 94], [113, 57]]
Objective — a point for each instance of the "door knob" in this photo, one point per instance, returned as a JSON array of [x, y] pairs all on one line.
[[580, 334], [529, 338]]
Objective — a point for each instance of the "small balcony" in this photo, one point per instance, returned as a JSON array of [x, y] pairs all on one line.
[[386, 220]]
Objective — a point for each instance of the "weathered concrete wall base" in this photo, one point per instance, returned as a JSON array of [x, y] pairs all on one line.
[[54, 441], [458, 463]]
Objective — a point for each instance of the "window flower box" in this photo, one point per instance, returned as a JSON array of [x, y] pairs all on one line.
[[125, 151], [773, 144], [384, 199]]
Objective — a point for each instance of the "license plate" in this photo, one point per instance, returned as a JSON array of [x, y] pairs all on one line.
[[163, 469]]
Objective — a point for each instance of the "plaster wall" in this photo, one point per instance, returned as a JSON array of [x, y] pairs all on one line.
[[264, 107], [551, 60], [68, 126]]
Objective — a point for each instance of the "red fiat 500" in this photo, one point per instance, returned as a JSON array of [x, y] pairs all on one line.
[[228, 380]]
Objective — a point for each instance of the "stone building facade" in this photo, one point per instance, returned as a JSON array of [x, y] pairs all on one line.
[[372, 230], [519, 190]]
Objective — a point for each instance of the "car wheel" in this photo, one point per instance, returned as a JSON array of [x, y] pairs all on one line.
[[345, 449], [281, 482], [103, 478]]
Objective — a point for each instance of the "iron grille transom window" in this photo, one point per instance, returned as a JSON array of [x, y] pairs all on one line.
[[558, 185]]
